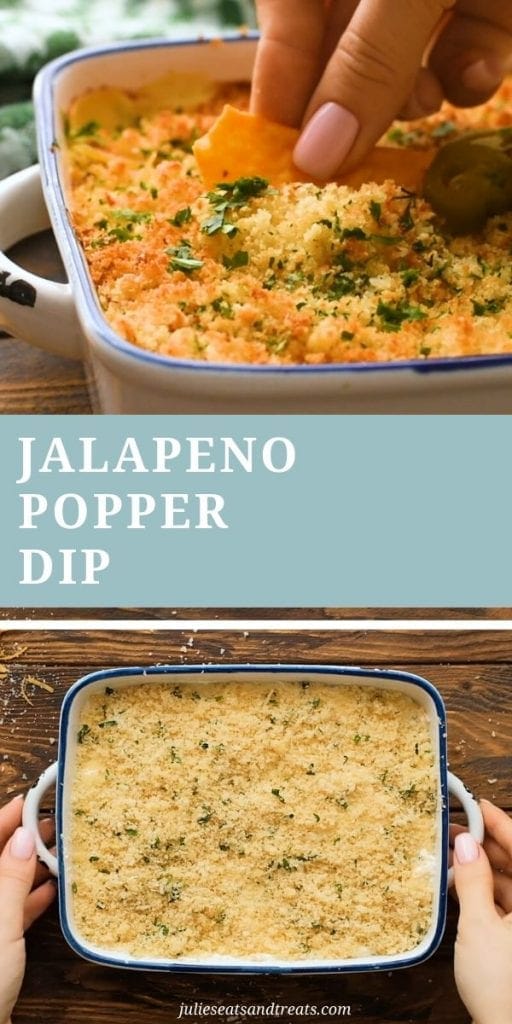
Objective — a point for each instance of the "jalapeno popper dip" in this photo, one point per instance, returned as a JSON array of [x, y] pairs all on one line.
[[246, 272], [291, 820]]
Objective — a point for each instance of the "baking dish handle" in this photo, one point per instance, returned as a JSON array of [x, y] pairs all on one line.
[[32, 308], [31, 815], [471, 809]]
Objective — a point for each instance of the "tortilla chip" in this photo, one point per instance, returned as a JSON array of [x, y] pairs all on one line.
[[247, 145]]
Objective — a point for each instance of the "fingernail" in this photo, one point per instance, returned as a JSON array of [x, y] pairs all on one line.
[[326, 141], [484, 75], [467, 849], [22, 844], [19, 796]]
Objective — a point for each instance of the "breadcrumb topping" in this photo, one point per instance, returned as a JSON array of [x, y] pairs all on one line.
[[291, 820], [291, 275]]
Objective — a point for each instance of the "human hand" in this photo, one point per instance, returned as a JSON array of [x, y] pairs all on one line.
[[483, 949], [345, 69], [25, 893]]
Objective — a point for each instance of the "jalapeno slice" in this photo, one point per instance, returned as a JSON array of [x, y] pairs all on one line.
[[471, 180]]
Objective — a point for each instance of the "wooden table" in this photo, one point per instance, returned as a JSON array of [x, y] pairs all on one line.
[[472, 669], [33, 381], [240, 614]]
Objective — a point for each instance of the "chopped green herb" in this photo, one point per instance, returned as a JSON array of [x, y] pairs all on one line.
[[105, 725], [74, 888], [357, 233], [223, 308], [410, 277], [444, 129], [92, 860], [206, 816], [163, 928], [277, 793], [406, 220], [403, 138], [277, 344], [181, 217], [231, 196], [173, 890], [87, 129], [406, 794], [393, 315], [132, 832], [182, 258], [376, 211], [83, 732], [239, 259], [488, 308], [347, 335]]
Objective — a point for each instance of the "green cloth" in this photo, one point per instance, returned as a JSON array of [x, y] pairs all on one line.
[[32, 32]]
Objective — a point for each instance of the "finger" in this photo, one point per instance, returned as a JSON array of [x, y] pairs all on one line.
[[366, 83], [498, 857], [503, 891], [498, 826], [474, 882], [426, 97], [340, 15], [455, 830], [287, 63], [10, 818], [38, 901], [17, 870], [47, 830], [472, 54]]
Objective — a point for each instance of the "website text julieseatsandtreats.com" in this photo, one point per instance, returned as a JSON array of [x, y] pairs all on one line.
[[273, 1009]]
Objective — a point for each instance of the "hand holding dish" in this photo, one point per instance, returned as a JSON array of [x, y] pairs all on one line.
[[303, 824]]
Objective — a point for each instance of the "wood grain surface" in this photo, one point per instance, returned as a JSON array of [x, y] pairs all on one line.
[[473, 671], [239, 614], [32, 381]]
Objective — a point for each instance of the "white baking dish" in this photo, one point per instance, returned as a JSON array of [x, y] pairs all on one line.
[[67, 319], [62, 772]]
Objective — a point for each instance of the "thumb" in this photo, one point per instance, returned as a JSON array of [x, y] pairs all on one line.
[[17, 870], [368, 80], [473, 882]]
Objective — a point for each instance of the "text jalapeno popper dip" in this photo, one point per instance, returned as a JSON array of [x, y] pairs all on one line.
[[252, 271]]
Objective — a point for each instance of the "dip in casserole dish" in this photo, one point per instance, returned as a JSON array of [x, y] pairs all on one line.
[[294, 820], [251, 273], [252, 818]]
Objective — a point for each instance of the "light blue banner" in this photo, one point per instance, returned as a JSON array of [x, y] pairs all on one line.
[[337, 511]]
